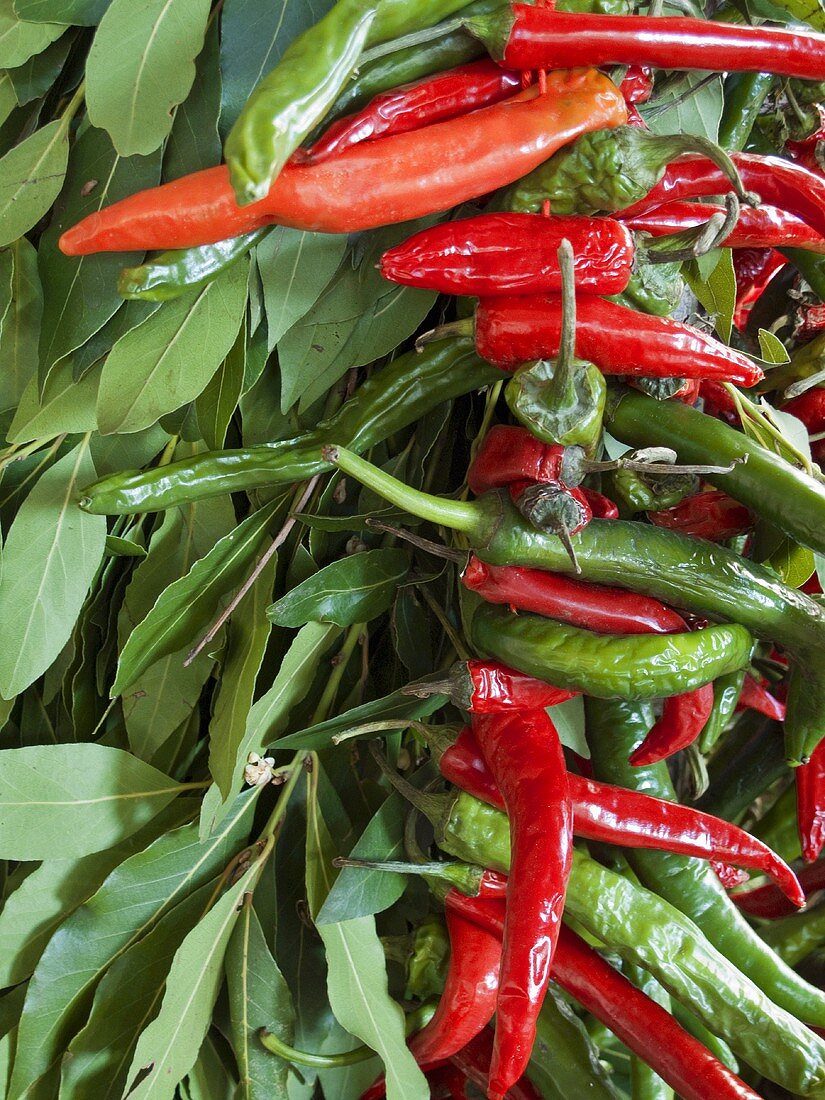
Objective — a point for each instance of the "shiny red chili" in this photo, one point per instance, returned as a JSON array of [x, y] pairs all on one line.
[[777, 181], [683, 719], [511, 331], [491, 687], [770, 903], [760, 227], [646, 1028], [810, 803], [534, 37], [729, 876], [755, 269], [601, 506], [474, 1061], [709, 515], [412, 106], [614, 815], [637, 84], [505, 253], [755, 696], [809, 407], [510, 453], [526, 760]]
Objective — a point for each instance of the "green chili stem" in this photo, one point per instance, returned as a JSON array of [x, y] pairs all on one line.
[[804, 384], [417, 38], [339, 666], [387, 726], [318, 1061], [748, 411], [457, 515]]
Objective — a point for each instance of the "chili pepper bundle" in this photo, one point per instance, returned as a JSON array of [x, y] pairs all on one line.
[[526, 760], [614, 815], [536, 37], [511, 253], [690, 573], [413, 106], [371, 184]]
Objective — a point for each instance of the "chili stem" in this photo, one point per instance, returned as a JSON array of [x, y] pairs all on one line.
[[318, 1061]]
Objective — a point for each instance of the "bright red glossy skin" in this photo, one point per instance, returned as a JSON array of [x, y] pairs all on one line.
[[371, 184], [510, 453], [541, 38], [779, 182], [495, 687], [810, 803], [592, 606], [601, 506], [755, 696], [474, 1062], [770, 903], [630, 819], [646, 1028], [526, 760], [683, 719], [496, 254], [637, 85], [412, 106], [709, 515], [762, 227], [511, 331]]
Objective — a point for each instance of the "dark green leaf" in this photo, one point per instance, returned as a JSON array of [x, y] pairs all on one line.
[[395, 705], [716, 290], [194, 143], [352, 590], [84, 13], [20, 331], [123, 548], [39, 73], [217, 404], [294, 268], [771, 347]]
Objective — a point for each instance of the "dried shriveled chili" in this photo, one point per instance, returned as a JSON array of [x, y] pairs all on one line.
[[761, 227], [709, 515]]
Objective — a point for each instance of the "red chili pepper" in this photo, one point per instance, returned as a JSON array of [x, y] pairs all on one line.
[[762, 227], [770, 903], [494, 687], [811, 322], [526, 759], [809, 407], [730, 877], [532, 37], [511, 331], [688, 394], [375, 183], [637, 85], [474, 1062], [447, 1083], [495, 254], [709, 515], [592, 606], [779, 182], [630, 819], [755, 696], [509, 454], [634, 118], [601, 506], [413, 106], [683, 719], [755, 269], [646, 1028], [810, 803], [718, 401]]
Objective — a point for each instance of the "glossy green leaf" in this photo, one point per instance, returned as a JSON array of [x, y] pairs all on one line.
[[167, 1049], [395, 705], [140, 66], [50, 557], [249, 631], [127, 999], [21, 39], [80, 292], [352, 590], [216, 405], [258, 997], [66, 801], [771, 347], [170, 358], [694, 107], [294, 268], [194, 143], [716, 290], [357, 974], [270, 714], [138, 894], [123, 548], [568, 718], [189, 604], [795, 564], [31, 175]]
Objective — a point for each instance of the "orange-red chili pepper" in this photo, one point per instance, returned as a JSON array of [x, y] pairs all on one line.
[[375, 183]]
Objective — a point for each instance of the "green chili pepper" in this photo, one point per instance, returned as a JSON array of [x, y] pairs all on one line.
[[606, 170], [653, 288], [645, 1083], [614, 730], [685, 572], [299, 91], [775, 490], [651, 933], [173, 273], [778, 827], [637, 493], [627, 666], [427, 964], [796, 937], [744, 95], [393, 398], [565, 1062], [744, 767], [726, 692]]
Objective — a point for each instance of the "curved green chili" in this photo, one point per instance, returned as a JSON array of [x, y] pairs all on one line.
[[766, 483], [743, 768], [626, 666], [744, 95], [726, 692], [390, 400], [173, 273], [565, 1062], [614, 729], [796, 937]]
